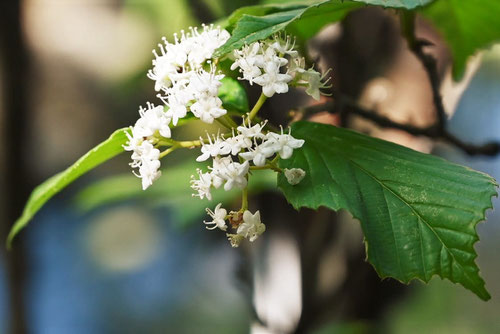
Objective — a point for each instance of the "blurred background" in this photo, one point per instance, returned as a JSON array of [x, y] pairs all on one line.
[[104, 257]]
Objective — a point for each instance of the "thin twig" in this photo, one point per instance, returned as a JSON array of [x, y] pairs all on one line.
[[434, 131]]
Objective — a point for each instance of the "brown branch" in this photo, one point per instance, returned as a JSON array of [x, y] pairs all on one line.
[[346, 105], [435, 131]]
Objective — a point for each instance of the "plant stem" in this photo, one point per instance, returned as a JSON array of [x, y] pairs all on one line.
[[244, 199], [269, 166], [232, 124], [189, 143], [168, 151], [257, 106]]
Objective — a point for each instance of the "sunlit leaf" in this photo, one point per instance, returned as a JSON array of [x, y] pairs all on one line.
[[251, 28], [467, 26], [418, 212], [45, 191]]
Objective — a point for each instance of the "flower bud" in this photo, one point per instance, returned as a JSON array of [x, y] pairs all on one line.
[[294, 175]]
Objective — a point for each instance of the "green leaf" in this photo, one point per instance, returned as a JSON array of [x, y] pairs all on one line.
[[251, 28], [418, 212], [172, 189], [45, 191], [233, 96], [467, 26], [407, 4], [257, 10]]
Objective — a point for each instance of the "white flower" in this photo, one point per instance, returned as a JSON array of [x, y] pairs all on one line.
[[248, 131], [272, 81], [207, 108], [284, 144], [248, 59], [145, 157], [234, 239], [152, 119], [202, 185], [237, 143], [234, 173], [218, 216], [315, 82], [167, 64], [294, 175], [214, 148], [310, 78], [202, 45], [204, 82], [176, 109], [251, 227], [259, 154], [148, 172], [284, 46]]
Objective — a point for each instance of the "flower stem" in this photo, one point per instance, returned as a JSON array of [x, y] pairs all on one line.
[[168, 151], [189, 143], [269, 166], [257, 106], [229, 121], [222, 121], [244, 199]]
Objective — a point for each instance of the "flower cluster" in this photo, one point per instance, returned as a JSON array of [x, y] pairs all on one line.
[[250, 144], [187, 79], [179, 73], [252, 147], [247, 225], [275, 65]]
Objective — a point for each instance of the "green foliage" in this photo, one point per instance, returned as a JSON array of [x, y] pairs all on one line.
[[45, 191], [233, 95], [257, 10], [171, 190], [407, 4], [418, 212], [467, 26], [251, 28]]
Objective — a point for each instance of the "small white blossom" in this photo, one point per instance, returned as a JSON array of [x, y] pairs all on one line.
[[251, 227], [284, 46], [204, 82], [235, 239], [202, 185], [248, 59], [176, 109], [294, 175], [213, 148], [237, 143], [272, 81], [207, 108], [202, 45], [259, 154], [234, 173], [145, 157], [152, 119], [218, 216], [248, 131], [284, 144], [148, 172]]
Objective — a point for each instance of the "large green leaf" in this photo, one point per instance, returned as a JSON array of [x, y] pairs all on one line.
[[251, 28], [45, 191], [467, 26], [233, 95], [407, 4], [418, 212], [257, 10], [172, 189]]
